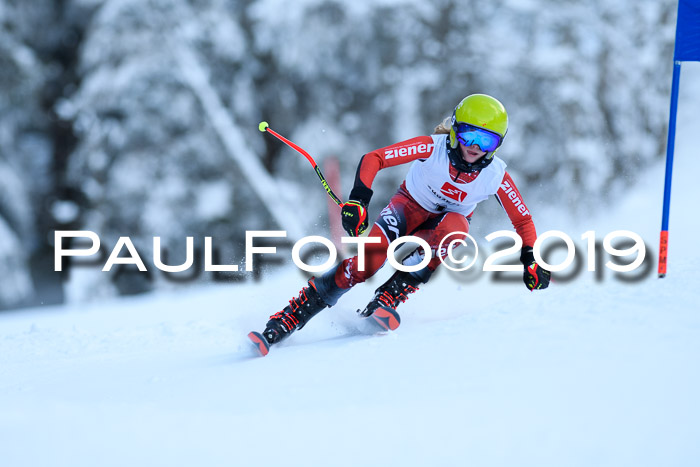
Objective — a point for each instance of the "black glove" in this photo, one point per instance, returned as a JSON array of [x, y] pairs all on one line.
[[535, 276], [354, 215], [354, 212]]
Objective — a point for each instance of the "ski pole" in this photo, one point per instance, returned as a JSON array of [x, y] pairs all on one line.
[[264, 127]]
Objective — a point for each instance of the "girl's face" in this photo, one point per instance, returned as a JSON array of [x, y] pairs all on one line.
[[471, 153]]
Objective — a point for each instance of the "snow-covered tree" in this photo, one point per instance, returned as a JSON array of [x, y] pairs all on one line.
[[129, 108]]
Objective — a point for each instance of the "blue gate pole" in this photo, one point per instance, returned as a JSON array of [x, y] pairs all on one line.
[[663, 242]]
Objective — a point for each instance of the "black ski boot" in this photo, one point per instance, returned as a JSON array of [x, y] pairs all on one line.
[[392, 292], [295, 315]]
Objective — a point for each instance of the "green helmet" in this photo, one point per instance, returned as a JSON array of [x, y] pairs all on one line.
[[482, 111]]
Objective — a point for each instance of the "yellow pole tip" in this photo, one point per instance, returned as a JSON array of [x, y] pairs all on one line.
[[263, 126]]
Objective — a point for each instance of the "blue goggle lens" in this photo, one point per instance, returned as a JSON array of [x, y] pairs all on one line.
[[469, 134]]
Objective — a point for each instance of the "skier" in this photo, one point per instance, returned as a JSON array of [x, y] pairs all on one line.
[[452, 171]]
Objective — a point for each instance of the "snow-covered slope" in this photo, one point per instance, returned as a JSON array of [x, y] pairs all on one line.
[[586, 373]]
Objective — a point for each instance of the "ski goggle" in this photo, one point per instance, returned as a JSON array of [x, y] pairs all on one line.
[[468, 134]]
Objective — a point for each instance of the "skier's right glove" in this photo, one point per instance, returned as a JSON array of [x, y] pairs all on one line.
[[354, 212], [354, 215], [535, 276]]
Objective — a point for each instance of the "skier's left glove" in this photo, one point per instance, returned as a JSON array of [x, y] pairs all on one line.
[[535, 276]]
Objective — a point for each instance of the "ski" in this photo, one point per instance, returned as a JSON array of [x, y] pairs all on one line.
[[384, 318], [387, 318], [260, 342]]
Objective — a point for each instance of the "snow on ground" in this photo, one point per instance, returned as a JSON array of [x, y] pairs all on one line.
[[586, 373]]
